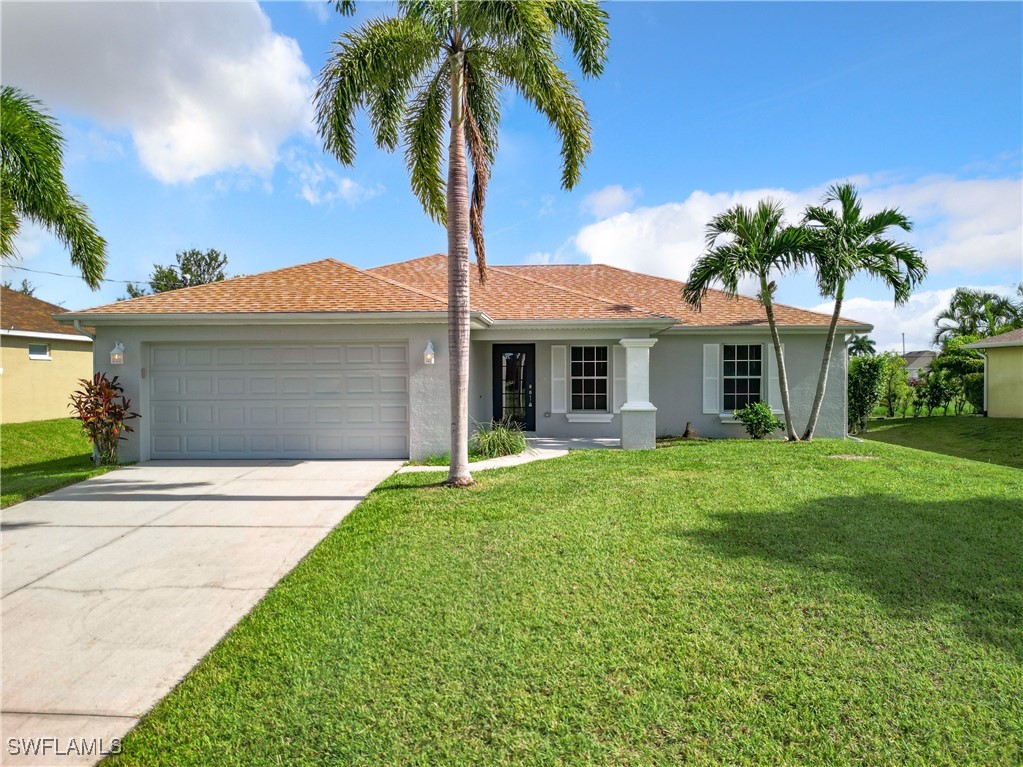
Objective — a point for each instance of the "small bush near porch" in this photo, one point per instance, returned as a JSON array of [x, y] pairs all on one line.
[[713, 603]]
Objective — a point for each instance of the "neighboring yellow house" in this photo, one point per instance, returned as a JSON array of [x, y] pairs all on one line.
[[1003, 374], [40, 360]]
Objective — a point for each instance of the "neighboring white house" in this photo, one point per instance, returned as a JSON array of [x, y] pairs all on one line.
[[918, 363], [324, 360]]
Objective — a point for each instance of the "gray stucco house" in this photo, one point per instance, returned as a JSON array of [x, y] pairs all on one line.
[[324, 360]]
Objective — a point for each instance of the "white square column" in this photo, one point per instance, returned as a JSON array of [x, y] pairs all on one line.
[[638, 414]]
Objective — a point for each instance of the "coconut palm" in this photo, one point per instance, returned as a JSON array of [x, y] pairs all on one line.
[[977, 313], [437, 61], [745, 243], [861, 346], [845, 243], [32, 186]]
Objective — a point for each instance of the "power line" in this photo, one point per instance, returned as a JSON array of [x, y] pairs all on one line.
[[75, 276]]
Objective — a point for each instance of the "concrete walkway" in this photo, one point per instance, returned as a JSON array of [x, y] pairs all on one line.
[[540, 449], [113, 589]]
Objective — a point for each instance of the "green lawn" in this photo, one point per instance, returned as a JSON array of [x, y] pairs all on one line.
[[714, 603], [992, 440], [40, 456]]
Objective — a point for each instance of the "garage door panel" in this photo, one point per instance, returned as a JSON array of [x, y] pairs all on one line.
[[293, 400]]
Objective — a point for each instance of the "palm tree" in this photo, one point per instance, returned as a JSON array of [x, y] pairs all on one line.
[[438, 60], [745, 242], [32, 186], [845, 243], [861, 346], [977, 313]]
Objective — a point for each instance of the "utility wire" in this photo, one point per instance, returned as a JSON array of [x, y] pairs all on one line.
[[75, 276]]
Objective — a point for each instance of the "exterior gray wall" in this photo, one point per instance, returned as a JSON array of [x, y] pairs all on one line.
[[429, 406], [676, 382], [676, 385]]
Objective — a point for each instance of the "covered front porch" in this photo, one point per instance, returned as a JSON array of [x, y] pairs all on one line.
[[581, 389]]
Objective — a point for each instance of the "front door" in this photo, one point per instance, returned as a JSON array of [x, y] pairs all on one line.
[[514, 384]]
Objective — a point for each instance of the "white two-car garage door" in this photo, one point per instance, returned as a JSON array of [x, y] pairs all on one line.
[[279, 401]]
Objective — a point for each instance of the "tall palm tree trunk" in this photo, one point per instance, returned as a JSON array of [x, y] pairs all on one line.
[[458, 283], [783, 379], [822, 381]]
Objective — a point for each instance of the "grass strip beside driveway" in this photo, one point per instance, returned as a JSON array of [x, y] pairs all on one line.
[[39, 456], [714, 603]]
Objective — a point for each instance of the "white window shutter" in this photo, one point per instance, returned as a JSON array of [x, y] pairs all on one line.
[[559, 379], [618, 360], [711, 378], [773, 387]]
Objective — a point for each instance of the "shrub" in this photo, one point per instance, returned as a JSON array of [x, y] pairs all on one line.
[[865, 380], [973, 388], [103, 409], [502, 438], [758, 420]]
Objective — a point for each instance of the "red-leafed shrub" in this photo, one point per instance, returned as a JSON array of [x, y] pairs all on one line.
[[103, 409]]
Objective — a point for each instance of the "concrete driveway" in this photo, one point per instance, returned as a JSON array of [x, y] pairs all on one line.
[[114, 588]]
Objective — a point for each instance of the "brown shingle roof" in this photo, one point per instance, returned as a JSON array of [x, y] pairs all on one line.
[[552, 292], [508, 295], [1002, 338], [320, 286], [28, 314], [664, 296]]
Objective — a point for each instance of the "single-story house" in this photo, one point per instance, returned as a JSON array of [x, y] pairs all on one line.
[[41, 360], [918, 363], [325, 360], [1003, 374]]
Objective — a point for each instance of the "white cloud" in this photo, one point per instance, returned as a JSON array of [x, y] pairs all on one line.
[[319, 185], [610, 200], [202, 87], [971, 226], [915, 318]]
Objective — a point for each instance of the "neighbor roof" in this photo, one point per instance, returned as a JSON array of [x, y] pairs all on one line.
[[26, 314], [570, 293], [1012, 338]]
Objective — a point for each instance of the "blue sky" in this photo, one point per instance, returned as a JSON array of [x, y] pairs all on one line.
[[188, 125]]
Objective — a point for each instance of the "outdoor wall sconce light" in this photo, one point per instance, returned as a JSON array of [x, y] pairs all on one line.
[[117, 354], [429, 356]]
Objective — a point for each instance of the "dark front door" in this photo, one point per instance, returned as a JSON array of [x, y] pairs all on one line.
[[515, 384]]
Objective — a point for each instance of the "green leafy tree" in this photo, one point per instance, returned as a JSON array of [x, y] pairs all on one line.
[[844, 243], [32, 186], [978, 313], [447, 62], [954, 364], [864, 389], [748, 242], [894, 382], [861, 346], [26, 288], [194, 267]]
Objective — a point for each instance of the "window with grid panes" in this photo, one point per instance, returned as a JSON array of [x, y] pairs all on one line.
[[589, 376], [742, 375]]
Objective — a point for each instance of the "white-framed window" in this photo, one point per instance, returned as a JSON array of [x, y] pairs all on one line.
[[742, 375], [589, 376], [39, 351]]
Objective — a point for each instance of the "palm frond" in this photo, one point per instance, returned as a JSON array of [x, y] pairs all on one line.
[[424, 144]]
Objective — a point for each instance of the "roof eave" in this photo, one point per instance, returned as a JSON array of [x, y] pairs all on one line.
[[256, 318], [45, 335], [763, 326], [995, 345]]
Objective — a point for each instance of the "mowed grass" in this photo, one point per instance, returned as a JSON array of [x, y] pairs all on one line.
[[992, 440], [40, 456], [713, 603]]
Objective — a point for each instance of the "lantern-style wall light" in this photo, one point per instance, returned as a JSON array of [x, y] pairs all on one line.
[[429, 356], [117, 354]]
